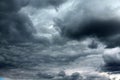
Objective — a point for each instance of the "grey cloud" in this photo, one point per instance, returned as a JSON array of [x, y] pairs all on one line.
[[85, 20], [73, 76], [12, 6], [101, 29], [111, 56], [14, 26], [46, 3]]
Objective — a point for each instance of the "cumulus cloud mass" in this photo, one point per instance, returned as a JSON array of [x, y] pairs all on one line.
[[14, 26], [65, 33]]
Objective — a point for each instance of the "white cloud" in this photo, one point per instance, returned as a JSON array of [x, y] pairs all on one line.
[[112, 56]]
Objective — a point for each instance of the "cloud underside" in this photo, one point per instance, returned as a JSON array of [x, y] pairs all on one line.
[[84, 20], [76, 20], [45, 3], [16, 26], [107, 31], [61, 21]]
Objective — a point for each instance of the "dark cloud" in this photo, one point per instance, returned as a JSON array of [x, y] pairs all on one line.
[[45, 3], [93, 45], [12, 6], [8, 6], [98, 28], [84, 20], [102, 29], [111, 56], [74, 76], [14, 26]]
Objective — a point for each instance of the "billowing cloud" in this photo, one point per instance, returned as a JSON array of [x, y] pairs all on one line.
[[42, 18], [91, 19], [45, 3], [14, 26], [98, 28], [112, 56], [73, 20]]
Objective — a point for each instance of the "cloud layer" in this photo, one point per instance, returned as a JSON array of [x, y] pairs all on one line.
[[45, 3], [14, 26], [52, 21], [112, 56], [74, 20], [84, 20]]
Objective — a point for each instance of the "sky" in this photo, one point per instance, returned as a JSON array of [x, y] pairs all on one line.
[[58, 22], [63, 20]]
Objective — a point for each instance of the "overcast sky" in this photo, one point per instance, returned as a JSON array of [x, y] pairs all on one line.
[[75, 19], [78, 27], [55, 21]]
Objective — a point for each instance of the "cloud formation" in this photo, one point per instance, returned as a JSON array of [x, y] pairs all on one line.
[[75, 19], [84, 20], [112, 56], [46, 3], [14, 26]]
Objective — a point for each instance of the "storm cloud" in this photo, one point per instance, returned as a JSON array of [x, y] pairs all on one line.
[[71, 35], [45, 3], [102, 29], [84, 20], [14, 26], [112, 56]]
